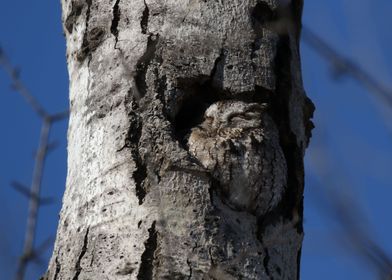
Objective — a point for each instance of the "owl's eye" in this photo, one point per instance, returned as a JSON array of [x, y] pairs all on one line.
[[244, 119], [237, 118], [251, 115]]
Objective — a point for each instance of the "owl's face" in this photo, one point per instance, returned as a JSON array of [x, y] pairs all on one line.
[[238, 144], [233, 114]]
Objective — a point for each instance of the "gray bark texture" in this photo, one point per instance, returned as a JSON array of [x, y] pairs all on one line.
[[186, 140]]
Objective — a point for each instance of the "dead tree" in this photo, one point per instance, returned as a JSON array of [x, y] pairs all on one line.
[[186, 140]]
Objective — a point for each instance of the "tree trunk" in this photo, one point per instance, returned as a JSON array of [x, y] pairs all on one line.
[[186, 140]]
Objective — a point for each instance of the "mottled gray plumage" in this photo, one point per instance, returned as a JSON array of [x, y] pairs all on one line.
[[238, 143]]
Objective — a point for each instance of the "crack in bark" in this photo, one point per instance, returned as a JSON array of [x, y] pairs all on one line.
[[115, 21], [84, 50], [256, 45], [78, 267], [288, 140], [92, 42], [190, 268], [279, 110], [141, 89], [211, 258], [88, 75], [218, 60], [161, 88], [281, 20], [214, 186], [132, 141], [218, 70], [280, 115], [266, 263], [262, 15], [89, 3], [143, 63], [144, 21], [147, 266], [139, 175], [291, 204], [92, 257], [58, 268]]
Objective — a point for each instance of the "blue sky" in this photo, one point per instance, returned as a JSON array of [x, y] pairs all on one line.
[[351, 150]]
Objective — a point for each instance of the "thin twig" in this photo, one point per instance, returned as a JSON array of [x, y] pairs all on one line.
[[27, 193], [59, 116], [34, 202], [343, 208], [34, 194], [17, 84], [345, 66]]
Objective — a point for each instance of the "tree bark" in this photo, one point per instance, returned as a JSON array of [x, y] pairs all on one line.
[[142, 199]]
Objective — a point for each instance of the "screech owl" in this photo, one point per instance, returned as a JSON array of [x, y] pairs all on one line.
[[238, 143]]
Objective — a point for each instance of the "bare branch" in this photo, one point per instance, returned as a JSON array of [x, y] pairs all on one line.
[[17, 84], [59, 116], [344, 66], [343, 208], [34, 202], [34, 194]]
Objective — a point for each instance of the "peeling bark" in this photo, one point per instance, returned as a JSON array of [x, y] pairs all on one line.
[[143, 199]]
